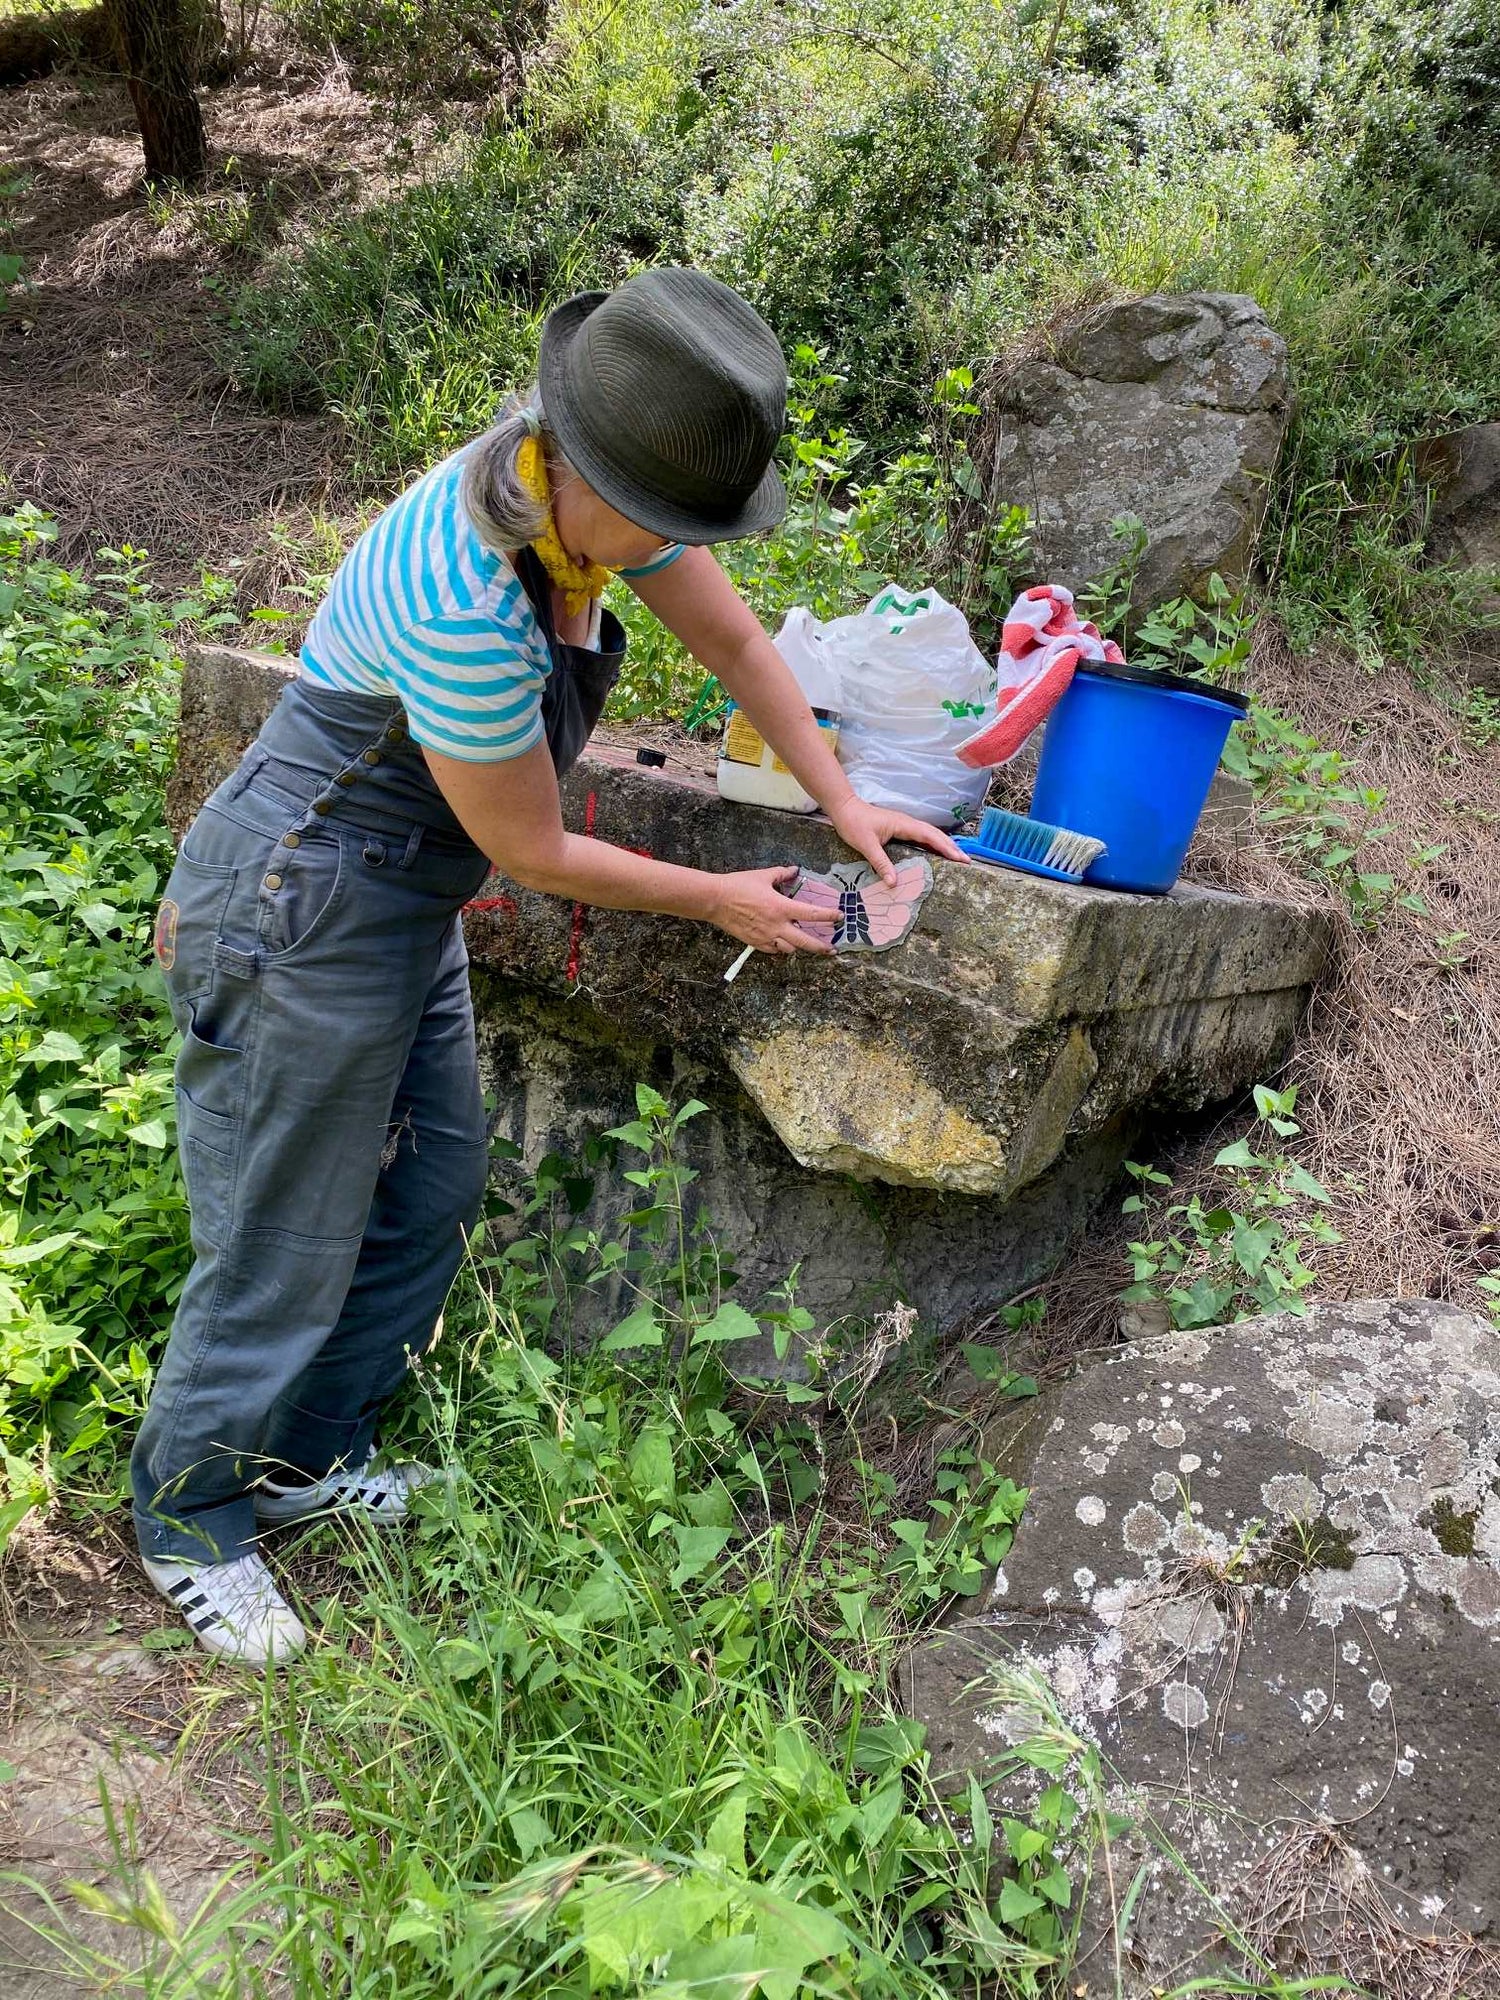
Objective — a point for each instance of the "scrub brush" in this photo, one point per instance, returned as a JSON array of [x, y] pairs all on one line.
[[1032, 846]]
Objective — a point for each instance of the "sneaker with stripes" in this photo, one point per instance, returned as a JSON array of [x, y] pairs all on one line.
[[233, 1608], [382, 1496]]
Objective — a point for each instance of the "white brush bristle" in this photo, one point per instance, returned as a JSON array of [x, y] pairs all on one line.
[[1072, 852]]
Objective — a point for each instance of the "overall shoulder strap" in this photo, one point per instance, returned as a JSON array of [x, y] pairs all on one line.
[[538, 588]]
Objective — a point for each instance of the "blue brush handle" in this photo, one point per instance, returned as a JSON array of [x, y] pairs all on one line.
[[980, 852]]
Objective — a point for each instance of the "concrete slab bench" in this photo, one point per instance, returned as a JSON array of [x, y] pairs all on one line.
[[936, 1121]]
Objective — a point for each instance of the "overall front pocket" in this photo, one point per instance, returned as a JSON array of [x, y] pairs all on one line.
[[210, 1088], [300, 891], [189, 921], [210, 1082]]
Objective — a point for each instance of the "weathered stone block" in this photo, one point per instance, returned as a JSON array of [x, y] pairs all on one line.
[[561, 1072], [1462, 468], [1230, 805], [227, 693], [1260, 1567], [1020, 1012], [935, 1121], [1171, 408]]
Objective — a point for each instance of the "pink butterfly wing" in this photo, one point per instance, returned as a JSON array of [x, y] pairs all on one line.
[[819, 894], [892, 912]]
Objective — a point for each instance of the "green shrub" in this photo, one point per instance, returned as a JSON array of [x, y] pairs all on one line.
[[1208, 1265], [414, 319], [93, 1237], [907, 190], [423, 46], [1340, 168]]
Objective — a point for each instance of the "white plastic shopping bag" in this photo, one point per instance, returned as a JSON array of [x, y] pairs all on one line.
[[912, 686]]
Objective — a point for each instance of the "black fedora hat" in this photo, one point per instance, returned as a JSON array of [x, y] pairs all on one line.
[[668, 395]]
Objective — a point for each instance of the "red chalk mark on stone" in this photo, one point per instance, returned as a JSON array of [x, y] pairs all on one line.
[[481, 905], [575, 936]]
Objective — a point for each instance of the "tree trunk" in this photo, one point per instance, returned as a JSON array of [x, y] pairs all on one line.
[[156, 54]]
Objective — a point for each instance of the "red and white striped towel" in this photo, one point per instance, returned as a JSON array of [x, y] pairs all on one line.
[[1041, 643]]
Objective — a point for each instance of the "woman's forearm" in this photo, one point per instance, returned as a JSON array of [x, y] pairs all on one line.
[[512, 813], [582, 870]]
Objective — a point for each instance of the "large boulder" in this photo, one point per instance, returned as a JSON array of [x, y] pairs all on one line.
[[936, 1120], [1171, 408], [1462, 471], [1260, 1569]]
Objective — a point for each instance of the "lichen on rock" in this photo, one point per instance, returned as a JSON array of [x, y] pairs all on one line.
[[1313, 1632]]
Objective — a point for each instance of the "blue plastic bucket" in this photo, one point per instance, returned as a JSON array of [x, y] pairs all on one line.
[[1128, 757]]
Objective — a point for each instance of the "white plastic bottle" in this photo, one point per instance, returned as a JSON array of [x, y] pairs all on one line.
[[750, 772]]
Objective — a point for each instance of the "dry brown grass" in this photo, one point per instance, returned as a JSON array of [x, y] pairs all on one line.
[[1398, 1061], [115, 414], [1312, 1907]]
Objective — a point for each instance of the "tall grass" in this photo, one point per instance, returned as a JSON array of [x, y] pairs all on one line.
[[614, 1716]]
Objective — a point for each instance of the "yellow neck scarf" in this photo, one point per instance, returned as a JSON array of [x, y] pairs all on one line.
[[580, 583]]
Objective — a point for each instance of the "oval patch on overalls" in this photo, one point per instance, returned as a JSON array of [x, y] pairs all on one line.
[[166, 935]]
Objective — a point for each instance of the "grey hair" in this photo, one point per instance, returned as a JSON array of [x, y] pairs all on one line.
[[504, 514]]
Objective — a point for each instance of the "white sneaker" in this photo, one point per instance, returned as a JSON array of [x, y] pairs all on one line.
[[234, 1608], [382, 1496]]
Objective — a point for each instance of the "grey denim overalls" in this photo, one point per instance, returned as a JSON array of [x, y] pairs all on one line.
[[330, 1117]]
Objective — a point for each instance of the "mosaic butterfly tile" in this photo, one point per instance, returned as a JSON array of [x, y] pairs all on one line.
[[871, 915]]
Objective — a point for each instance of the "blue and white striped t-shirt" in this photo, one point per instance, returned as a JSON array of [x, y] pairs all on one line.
[[421, 609]]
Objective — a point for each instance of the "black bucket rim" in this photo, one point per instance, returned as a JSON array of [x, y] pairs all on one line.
[[1170, 683]]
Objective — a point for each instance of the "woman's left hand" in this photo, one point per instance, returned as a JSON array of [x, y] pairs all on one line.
[[867, 828]]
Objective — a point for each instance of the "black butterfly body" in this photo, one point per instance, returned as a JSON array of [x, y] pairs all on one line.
[[853, 926]]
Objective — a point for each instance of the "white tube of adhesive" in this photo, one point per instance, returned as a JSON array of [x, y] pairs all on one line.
[[740, 963]]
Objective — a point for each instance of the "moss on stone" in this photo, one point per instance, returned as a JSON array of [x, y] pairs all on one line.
[[1299, 1547], [1454, 1531]]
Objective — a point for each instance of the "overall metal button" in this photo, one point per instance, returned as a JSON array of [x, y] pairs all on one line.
[[372, 756], [291, 840], [346, 777], [395, 734], [273, 881], [322, 805]]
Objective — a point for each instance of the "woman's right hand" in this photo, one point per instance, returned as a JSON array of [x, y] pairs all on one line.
[[750, 906]]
